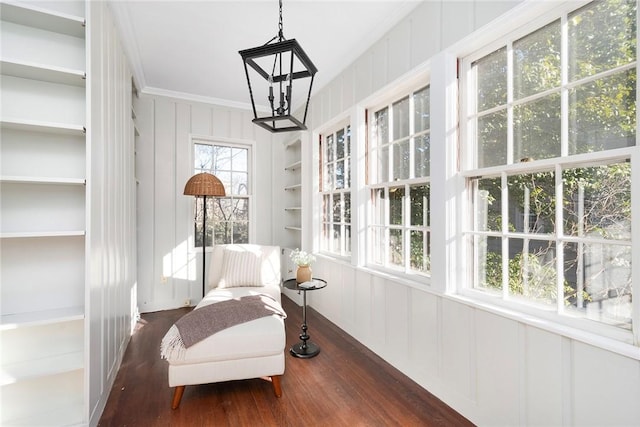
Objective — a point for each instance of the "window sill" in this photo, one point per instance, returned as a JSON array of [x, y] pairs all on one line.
[[423, 283], [618, 341]]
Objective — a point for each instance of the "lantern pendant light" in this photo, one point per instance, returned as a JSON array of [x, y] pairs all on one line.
[[271, 70]]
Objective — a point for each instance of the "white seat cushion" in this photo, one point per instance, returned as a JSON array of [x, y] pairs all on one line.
[[259, 337]]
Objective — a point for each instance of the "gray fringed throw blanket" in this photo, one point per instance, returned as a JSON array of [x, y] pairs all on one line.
[[205, 321]]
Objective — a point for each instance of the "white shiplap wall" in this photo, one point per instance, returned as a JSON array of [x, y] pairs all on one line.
[[169, 269], [495, 370], [111, 226]]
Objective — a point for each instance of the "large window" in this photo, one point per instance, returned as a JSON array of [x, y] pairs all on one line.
[[398, 184], [552, 121], [227, 217], [335, 188]]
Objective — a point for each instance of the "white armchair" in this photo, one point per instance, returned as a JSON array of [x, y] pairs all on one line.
[[235, 271]]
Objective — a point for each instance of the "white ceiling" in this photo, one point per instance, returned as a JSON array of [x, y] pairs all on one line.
[[190, 48]]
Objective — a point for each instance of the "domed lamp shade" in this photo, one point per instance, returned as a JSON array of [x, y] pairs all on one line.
[[202, 185]]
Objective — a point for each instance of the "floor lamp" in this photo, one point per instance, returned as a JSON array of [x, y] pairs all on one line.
[[202, 185]]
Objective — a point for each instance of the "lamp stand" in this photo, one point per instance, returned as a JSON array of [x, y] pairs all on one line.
[[204, 238], [203, 184]]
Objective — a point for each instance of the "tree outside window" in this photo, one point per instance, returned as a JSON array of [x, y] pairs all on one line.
[[335, 189], [227, 217], [398, 181], [552, 178]]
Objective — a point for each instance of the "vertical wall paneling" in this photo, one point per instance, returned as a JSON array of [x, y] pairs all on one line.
[[498, 391], [380, 64], [462, 13], [457, 348], [543, 378], [493, 369], [379, 322], [347, 289], [181, 259], [349, 87], [424, 42], [111, 234], [201, 120], [165, 197], [399, 57], [169, 267], [362, 307], [397, 322], [336, 97], [607, 381], [363, 76], [424, 334], [145, 196], [96, 72]]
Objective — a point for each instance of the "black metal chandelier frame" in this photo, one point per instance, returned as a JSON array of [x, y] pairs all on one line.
[[281, 75]]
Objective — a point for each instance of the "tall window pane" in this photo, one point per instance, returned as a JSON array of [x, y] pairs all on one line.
[[536, 61], [551, 184], [400, 161], [602, 36], [602, 114], [227, 217], [491, 80], [335, 155]]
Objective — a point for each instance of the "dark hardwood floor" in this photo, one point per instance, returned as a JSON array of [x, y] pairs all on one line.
[[345, 385]]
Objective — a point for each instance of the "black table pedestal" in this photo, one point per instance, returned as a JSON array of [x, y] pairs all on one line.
[[305, 349]]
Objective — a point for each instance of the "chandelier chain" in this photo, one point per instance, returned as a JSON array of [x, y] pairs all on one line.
[[280, 27]]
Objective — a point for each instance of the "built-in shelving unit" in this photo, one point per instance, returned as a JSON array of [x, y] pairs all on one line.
[[292, 190], [43, 211]]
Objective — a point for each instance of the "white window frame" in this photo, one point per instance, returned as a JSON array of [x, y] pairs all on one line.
[[396, 93], [231, 143], [325, 241], [465, 287]]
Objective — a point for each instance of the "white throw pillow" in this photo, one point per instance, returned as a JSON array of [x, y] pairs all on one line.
[[240, 268]]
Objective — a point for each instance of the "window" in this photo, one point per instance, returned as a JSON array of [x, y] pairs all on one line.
[[552, 119], [398, 184], [335, 189], [227, 217]]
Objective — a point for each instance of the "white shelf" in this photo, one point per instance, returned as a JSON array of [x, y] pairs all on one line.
[[37, 318], [294, 143], [293, 166], [13, 372], [293, 187], [33, 234], [44, 19], [44, 210], [42, 180], [51, 74], [288, 227], [67, 415], [40, 126]]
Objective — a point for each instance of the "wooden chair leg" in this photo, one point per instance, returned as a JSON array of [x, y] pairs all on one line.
[[177, 396], [277, 388]]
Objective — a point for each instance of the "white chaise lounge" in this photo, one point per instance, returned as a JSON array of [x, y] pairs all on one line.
[[254, 349]]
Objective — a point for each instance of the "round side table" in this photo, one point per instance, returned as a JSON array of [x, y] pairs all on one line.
[[305, 349]]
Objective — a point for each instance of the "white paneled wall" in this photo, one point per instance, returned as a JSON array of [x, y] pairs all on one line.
[[111, 225], [169, 268], [493, 369]]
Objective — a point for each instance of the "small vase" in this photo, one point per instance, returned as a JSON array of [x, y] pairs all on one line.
[[303, 274]]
